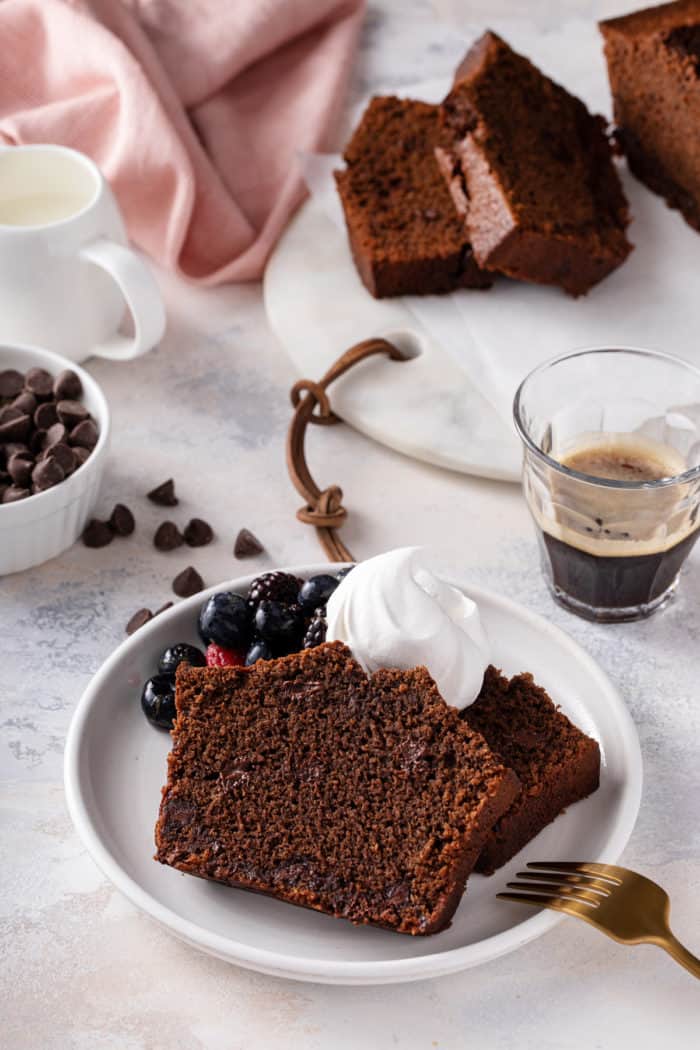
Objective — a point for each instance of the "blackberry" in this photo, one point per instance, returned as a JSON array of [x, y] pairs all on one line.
[[274, 586], [316, 631]]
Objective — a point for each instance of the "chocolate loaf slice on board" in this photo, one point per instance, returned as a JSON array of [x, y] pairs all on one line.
[[533, 169], [365, 798], [653, 61], [405, 236]]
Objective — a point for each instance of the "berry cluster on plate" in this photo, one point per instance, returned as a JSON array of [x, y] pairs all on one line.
[[280, 614]]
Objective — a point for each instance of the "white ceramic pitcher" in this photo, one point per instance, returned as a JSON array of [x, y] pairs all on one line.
[[66, 273]]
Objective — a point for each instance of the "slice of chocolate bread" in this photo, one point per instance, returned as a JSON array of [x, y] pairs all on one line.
[[404, 233], [368, 799], [556, 762], [545, 203], [653, 61]]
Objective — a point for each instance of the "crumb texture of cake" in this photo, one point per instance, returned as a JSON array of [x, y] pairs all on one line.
[[405, 235], [653, 59], [367, 799], [556, 763], [545, 202]]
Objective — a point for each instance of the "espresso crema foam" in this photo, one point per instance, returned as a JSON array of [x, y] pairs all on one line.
[[616, 522]]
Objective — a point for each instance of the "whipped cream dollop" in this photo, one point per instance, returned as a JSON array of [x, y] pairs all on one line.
[[393, 611]]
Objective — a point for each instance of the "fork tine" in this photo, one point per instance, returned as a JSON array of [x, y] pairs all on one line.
[[606, 871], [585, 881], [557, 890], [570, 907]]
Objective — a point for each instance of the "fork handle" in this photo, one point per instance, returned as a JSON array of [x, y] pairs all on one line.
[[676, 950]]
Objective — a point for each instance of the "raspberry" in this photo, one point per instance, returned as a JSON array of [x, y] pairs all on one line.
[[217, 656], [274, 587]]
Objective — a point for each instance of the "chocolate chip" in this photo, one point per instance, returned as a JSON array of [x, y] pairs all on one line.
[[46, 474], [13, 447], [168, 537], [140, 617], [9, 412], [16, 429], [85, 434], [19, 467], [71, 413], [122, 521], [81, 454], [39, 382], [97, 534], [198, 533], [247, 545], [67, 385], [45, 415], [36, 441], [11, 382], [25, 402], [164, 495], [56, 433], [64, 455], [14, 493], [187, 583], [3, 489], [166, 605]]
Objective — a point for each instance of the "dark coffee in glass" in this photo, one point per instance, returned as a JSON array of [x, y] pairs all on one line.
[[616, 509]]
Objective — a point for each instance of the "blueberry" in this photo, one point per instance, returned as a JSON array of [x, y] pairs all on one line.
[[317, 591], [259, 650], [344, 572], [158, 700], [175, 655], [279, 623], [225, 619]]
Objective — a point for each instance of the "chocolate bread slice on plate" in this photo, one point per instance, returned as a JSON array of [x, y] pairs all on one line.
[[366, 798], [557, 764], [653, 61], [533, 170], [405, 236]]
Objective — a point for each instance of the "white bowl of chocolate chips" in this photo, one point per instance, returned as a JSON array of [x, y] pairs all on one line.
[[54, 431]]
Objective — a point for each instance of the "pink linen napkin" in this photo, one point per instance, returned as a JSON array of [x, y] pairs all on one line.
[[193, 109]]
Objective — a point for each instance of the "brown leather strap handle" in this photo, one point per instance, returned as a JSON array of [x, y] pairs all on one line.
[[324, 507]]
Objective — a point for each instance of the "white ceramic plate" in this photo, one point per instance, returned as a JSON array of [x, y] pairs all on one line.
[[115, 766]]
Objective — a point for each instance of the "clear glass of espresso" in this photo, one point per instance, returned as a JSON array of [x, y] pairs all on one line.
[[611, 474]]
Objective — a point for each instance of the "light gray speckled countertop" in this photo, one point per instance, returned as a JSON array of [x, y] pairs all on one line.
[[80, 966]]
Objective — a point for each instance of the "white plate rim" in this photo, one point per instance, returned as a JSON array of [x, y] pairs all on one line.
[[327, 971]]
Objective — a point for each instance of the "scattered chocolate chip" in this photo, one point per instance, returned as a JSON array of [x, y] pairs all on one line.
[[15, 429], [55, 434], [97, 534], [167, 605], [64, 455], [168, 537], [140, 617], [11, 382], [71, 413], [9, 412], [14, 493], [39, 382], [25, 402], [46, 474], [67, 385], [45, 415], [19, 467], [164, 495], [187, 583], [85, 434], [198, 533], [122, 521], [81, 454], [247, 545]]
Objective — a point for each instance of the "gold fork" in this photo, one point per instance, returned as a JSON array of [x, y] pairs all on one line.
[[627, 906]]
